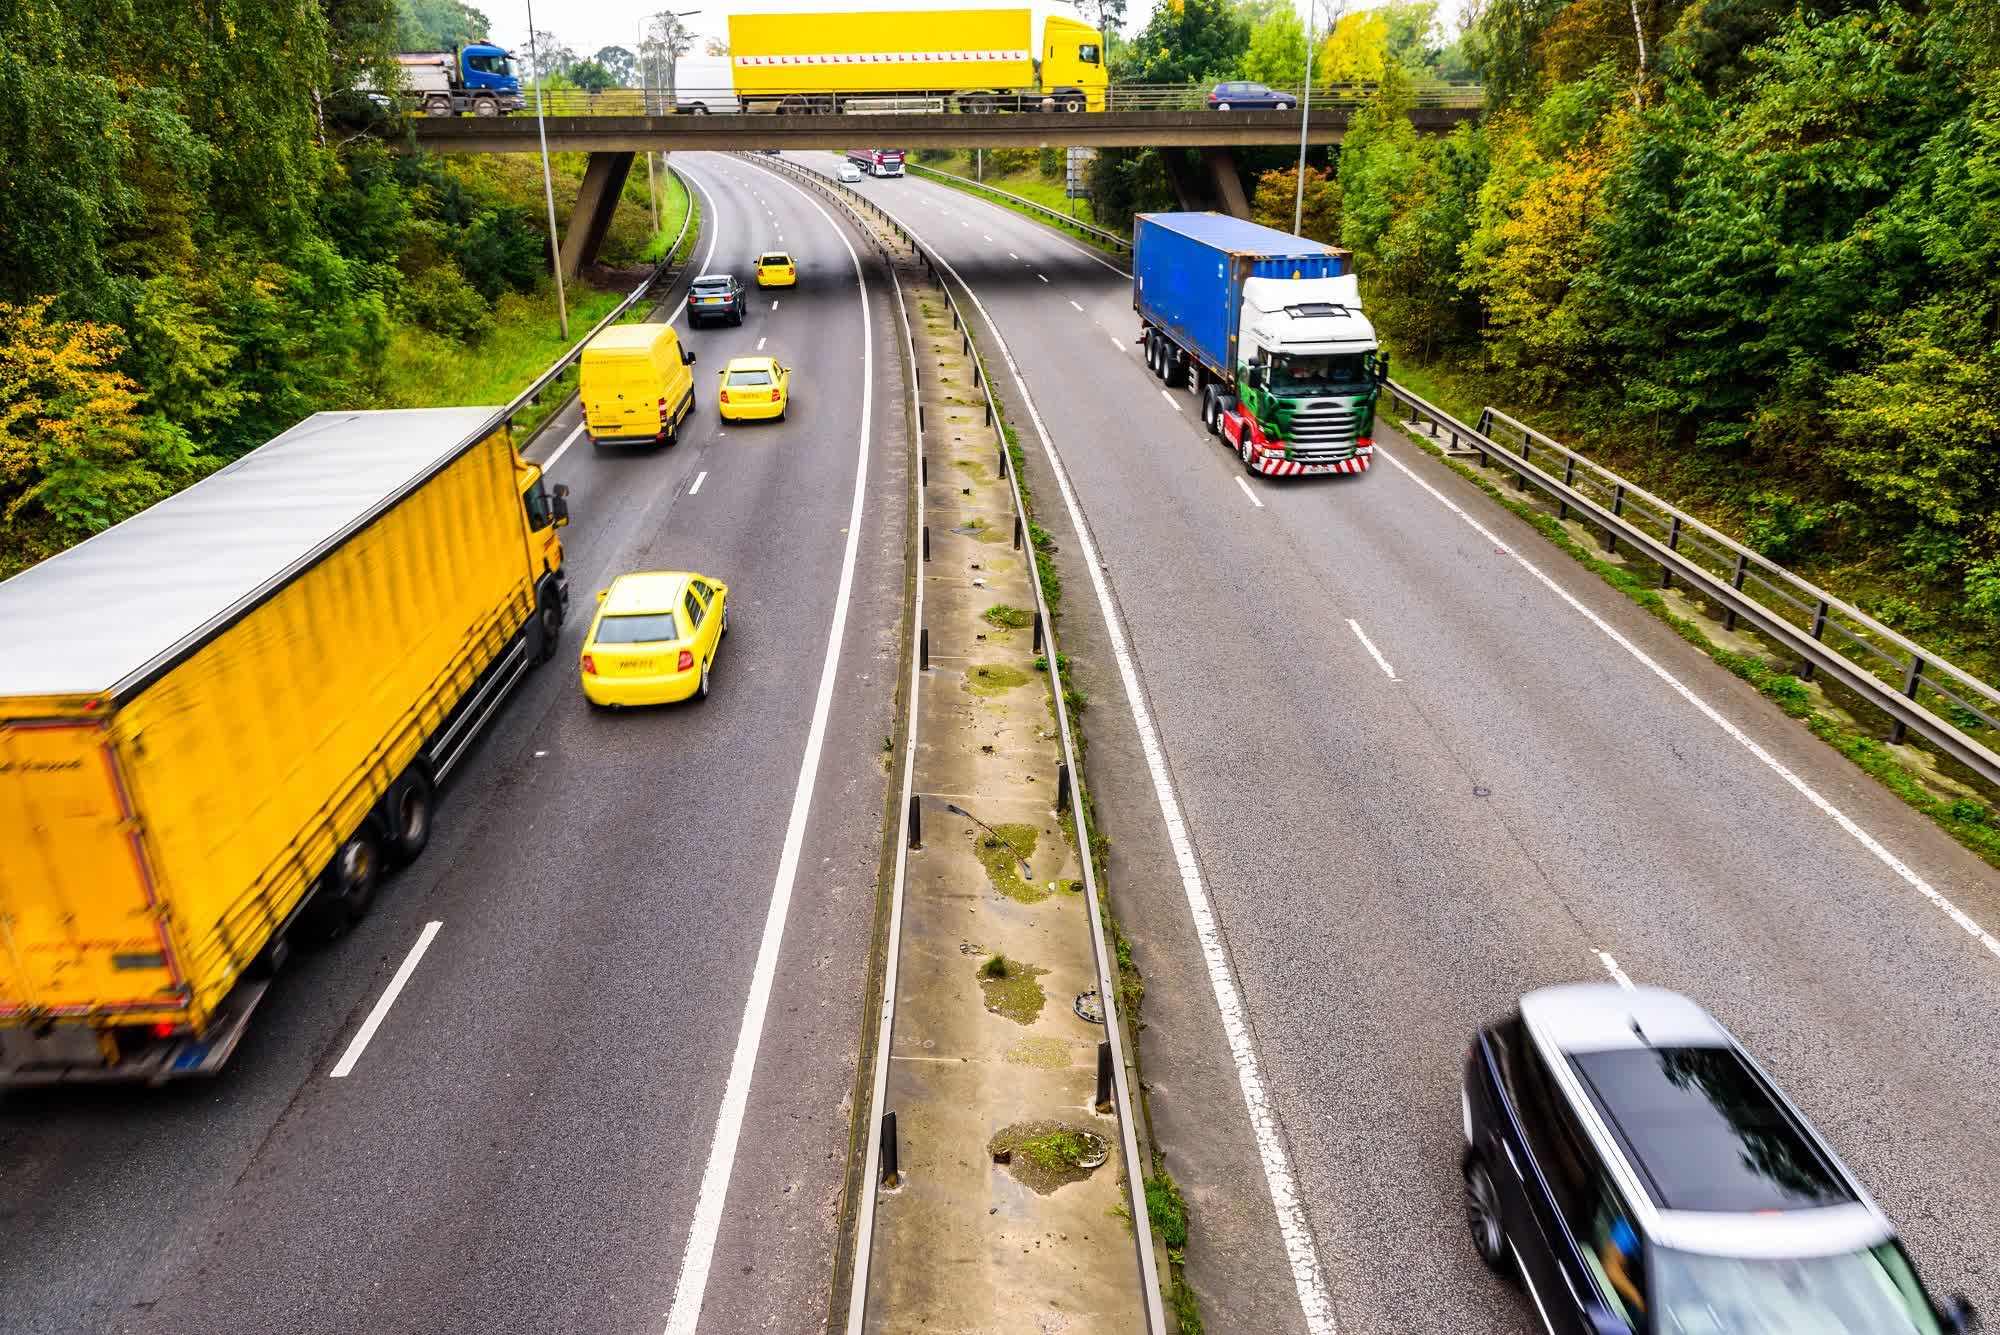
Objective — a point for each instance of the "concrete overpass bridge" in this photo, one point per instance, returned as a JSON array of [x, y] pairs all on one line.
[[613, 137]]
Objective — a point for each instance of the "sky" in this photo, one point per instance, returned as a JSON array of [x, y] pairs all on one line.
[[587, 26]]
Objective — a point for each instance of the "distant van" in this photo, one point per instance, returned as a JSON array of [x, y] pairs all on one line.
[[636, 386]]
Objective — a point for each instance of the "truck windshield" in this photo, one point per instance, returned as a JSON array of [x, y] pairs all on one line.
[[498, 65], [1341, 373]]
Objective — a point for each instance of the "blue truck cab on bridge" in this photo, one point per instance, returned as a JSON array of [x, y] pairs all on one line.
[[478, 78]]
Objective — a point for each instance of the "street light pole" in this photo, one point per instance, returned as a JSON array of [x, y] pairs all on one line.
[[548, 180], [1305, 114], [646, 108]]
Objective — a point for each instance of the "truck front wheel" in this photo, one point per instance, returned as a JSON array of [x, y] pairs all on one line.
[[408, 813]]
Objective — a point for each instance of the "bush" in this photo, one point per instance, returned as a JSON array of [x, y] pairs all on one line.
[[442, 301], [1051, 162]]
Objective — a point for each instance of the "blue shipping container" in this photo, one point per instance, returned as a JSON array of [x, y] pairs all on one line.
[[1188, 271]]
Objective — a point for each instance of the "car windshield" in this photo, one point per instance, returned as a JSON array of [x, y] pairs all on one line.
[[637, 628], [1873, 1292], [1334, 373], [749, 377]]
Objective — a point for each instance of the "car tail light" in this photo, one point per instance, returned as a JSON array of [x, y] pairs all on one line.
[[686, 660], [663, 407], [589, 666], [163, 1029], [725, 396]]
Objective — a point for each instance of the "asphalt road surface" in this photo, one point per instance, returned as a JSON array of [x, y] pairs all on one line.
[[1418, 780], [523, 1143]]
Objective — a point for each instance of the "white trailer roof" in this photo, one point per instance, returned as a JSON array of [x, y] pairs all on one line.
[[99, 616]]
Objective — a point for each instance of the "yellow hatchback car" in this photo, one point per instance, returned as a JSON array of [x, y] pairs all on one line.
[[775, 269], [754, 389], [654, 638]]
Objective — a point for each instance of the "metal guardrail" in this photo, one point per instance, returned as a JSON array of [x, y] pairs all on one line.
[[1098, 234], [665, 268], [808, 98], [1827, 635], [1107, 986]]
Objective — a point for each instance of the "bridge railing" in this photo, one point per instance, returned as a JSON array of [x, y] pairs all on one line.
[[1920, 691]]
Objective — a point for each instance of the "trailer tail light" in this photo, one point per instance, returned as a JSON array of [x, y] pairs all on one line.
[[163, 1029], [589, 666], [686, 660]]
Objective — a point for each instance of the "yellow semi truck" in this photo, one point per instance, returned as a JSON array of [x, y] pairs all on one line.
[[224, 719], [969, 59]]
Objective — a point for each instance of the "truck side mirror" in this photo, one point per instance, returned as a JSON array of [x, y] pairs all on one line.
[[1382, 368], [559, 505], [687, 357]]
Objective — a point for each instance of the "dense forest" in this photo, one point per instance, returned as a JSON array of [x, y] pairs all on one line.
[[197, 248], [1743, 249]]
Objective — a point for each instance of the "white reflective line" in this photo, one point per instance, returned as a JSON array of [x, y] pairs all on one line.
[[385, 1001], [1293, 1226], [1116, 344], [1072, 301], [1367, 643], [1044, 277], [692, 1284], [774, 303], [987, 235], [1251, 494], [568, 441], [760, 343], [1868, 841], [1611, 966], [1012, 256], [1175, 405], [699, 478]]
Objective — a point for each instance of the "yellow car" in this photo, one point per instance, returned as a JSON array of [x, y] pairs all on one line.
[[654, 638], [775, 269], [754, 389]]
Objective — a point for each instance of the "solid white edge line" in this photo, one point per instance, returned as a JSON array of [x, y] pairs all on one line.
[[692, 1285], [699, 478], [1369, 645], [1251, 494], [1805, 790], [382, 1003], [569, 440], [1293, 1226], [1611, 967], [871, 1168], [1116, 344], [1174, 403]]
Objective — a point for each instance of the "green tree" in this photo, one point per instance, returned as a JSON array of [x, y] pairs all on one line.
[[433, 25], [1189, 41], [591, 76], [621, 64], [1277, 52]]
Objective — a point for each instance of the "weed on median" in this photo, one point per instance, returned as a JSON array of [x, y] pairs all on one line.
[[1013, 991]]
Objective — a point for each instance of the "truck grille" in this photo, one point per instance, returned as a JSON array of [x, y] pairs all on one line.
[[1322, 433]]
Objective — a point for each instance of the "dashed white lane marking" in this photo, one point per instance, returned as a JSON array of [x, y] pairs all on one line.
[[548, 465], [1300, 1250], [1073, 303], [692, 1285], [760, 343], [774, 303], [1251, 494], [987, 235], [699, 478], [1368, 644], [1116, 344], [1044, 277], [1012, 256], [1868, 841], [385, 1001], [1174, 403], [1611, 966]]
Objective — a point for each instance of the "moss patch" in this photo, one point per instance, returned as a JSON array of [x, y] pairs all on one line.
[[1014, 993], [994, 678], [1002, 857], [1009, 618], [973, 469], [1050, 1054], [1044, 1156]]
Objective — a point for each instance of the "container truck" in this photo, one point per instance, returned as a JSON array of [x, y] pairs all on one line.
[[223, 719], [975, 59], [877, 161], [1269, 328], [478, 78]]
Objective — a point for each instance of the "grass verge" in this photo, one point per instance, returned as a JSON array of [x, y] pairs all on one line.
[[1028, 185]]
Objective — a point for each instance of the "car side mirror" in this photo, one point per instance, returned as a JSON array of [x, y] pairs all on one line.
[[559, 505], [601, 593], [687, 357], [1958, 1314]]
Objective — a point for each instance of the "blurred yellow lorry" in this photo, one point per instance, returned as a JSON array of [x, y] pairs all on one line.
[[970, 59], [222, 720]]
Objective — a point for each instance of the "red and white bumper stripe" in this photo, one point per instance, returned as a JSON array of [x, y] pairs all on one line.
[[1272, 466]]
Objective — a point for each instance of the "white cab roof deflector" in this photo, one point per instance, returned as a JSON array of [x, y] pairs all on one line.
[[1265, 301]]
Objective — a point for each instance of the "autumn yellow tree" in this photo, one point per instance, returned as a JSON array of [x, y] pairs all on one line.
[[1277, 192], [1356, 51]]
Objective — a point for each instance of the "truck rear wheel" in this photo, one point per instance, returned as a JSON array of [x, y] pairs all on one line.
[[407, 810], [346, 887], [548, 627], [437, 106]]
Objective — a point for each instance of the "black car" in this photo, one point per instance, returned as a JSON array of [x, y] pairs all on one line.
[[715, 297], [1241, 96], [1643, 1176]]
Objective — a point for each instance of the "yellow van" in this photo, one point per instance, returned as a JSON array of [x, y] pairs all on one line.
[[635, 385]]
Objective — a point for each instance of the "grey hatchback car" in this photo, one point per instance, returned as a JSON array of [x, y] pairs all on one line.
[[1642, 1174]]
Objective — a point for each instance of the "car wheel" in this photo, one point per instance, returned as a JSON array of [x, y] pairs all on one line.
[[1284, 106], [1482, 1214], [1222, 106], [725, 619], [701, 691], [409, 806]]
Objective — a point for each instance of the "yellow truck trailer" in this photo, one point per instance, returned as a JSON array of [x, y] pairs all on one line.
[[974, 59], [223, 719]]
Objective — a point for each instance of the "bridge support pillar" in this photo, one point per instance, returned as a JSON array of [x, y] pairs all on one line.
[[1228, 182], [1186, 185], [603, 182]]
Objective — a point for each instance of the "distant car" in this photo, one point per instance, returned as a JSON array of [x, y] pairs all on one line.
[[1643, 1174], [754, 389], [715, 297], [768, 152], [849, 173], [654, 638], [775, 269], [1249, 97]]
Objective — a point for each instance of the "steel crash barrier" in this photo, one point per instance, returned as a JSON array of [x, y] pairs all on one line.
[[1918, 690], [939, 271]]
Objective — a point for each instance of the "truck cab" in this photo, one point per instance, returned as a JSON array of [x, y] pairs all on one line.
[[1073, 62], [488, 71], [1308, 365]]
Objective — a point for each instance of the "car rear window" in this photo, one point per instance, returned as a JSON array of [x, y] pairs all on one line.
[[711, 284], [1705, 1132], [638, 628], [776, 259], [749, 377]]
